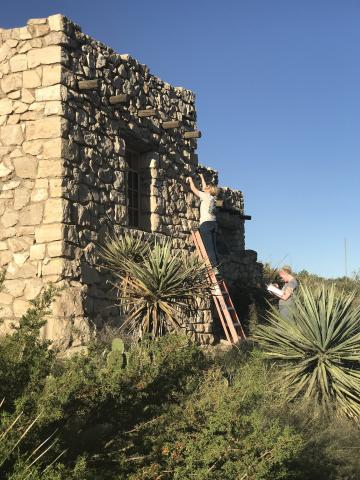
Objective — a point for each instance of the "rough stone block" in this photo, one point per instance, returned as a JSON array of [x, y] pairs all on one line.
[[37, 21], [38, 30], [45, 128], [56, 188], [31, 79], [25, 167], [6, 106], [7, 233], [4, 170], [54, 267], [5, 50], [17, 244], [50, 168], [20, 107], [31, 215], [33, 147], [55, 249], [6, 299], [24, 33], [39, 194], [44, 56], [52, 148], [9, 218], [37, 251], [53, 92], [11, 135], [20, 306], [14, 287], [49, 233], [21, 198], [11, 82], [56, 22], [10, 185], [15, 272], [20, 258], [54, 108], [54, 210], [18, 63], [51, 74], [33, 288], [5, 258]]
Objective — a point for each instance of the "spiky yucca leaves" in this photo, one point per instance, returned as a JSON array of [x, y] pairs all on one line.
[[117, 250], [320, 351], [160, 289]]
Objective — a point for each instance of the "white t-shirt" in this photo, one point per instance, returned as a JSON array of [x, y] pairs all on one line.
[[207, 207]]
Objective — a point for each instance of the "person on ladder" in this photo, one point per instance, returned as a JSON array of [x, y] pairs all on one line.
[[208, 225]]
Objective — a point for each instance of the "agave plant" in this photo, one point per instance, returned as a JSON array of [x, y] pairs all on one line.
[[319, 351], [158, 287]]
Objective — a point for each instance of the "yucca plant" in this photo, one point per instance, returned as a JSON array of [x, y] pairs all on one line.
[[158, 287], [319, 351], [117, 250]]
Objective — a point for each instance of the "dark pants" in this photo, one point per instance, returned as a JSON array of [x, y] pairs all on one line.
[[208, 234]]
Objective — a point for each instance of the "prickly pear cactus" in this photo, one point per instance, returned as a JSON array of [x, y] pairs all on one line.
[[117, 357]]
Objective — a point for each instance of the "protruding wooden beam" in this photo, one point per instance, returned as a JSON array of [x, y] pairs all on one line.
[[171, 124], [148, 112], [122, 98], [88, 84], [194, 134]]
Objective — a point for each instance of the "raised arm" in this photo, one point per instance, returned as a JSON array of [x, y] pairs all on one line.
[[203, 183], [192, 186]]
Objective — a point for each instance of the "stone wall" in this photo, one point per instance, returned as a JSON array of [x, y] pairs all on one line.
[[70, 111], [31, 172]]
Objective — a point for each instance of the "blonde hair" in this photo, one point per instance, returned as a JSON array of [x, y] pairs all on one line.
[[213, 190], [286, 269]]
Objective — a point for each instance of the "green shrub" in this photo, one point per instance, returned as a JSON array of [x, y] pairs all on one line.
[[160, 408]]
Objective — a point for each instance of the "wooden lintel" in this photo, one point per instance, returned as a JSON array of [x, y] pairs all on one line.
[[194, 134], [88, 84], [171, 124], [148, 112], [122, 98]]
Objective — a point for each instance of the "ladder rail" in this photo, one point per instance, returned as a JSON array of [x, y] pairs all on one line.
[[227, 313]]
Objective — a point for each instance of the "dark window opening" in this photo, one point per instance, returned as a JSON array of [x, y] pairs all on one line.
[[138, 181], [133, 187]]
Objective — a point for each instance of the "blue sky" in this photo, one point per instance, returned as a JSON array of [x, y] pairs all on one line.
[[278, 100]]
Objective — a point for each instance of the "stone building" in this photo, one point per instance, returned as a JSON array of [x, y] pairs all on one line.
[[90, 140]]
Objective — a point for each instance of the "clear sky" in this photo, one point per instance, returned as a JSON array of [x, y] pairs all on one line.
[[278, 101]]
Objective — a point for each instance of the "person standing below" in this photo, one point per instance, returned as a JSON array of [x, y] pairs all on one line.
[[286, 299], [208, 225]]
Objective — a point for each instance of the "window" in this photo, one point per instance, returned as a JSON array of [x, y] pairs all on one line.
[[133, 187]]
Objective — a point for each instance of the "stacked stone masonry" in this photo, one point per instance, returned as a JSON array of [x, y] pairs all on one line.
[[70, 113]]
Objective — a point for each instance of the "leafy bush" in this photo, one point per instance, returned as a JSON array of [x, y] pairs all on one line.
[[319, 351]]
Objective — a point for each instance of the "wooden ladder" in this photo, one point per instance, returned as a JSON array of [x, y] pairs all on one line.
[[220, 294]]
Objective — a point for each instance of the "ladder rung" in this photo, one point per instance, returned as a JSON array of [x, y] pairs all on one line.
[[230, 322]]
